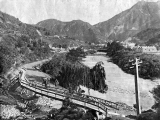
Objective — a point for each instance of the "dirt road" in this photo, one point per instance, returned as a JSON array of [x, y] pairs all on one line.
[[121, 85], [30, 69]]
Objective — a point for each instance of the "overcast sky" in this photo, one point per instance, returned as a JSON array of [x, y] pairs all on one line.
[[92, 11]]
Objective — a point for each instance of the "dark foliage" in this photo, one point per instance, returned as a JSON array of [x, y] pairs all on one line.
[[150, 68], [75, 54], [71, 112], [156, 95], [6, 58], [17, 43], [98, 77], [71, 75], [147, 116], [21, 50]]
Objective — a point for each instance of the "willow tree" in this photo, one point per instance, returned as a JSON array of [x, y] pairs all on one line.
[[72, 74], [98, 77]]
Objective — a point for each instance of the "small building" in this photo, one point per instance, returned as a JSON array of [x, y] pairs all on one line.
[[149, 49]]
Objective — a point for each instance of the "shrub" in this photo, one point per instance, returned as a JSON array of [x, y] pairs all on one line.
[[150, 67], [147, 116], [71, 74], [75, 54]]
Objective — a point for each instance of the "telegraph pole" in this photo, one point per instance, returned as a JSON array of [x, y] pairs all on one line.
[[136, 65]]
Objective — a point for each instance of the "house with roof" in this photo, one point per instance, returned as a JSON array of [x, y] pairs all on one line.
[[146, 49]]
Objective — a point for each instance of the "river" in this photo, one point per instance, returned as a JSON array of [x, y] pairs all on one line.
[[121, 85]]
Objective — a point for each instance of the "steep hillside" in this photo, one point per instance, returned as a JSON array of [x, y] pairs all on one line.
[[75, 29], [149, 37], [50, 23], [141, 16], [20, 43]]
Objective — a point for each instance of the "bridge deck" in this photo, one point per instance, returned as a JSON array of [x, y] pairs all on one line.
[[60, 94]]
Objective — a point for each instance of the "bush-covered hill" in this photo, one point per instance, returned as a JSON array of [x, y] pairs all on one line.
[[78, 29], [128, 23], [20, 43]]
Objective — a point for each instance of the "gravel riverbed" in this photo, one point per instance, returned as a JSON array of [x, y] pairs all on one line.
[[121, 85]]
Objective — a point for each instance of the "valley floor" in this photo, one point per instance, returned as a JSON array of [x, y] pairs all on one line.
[[121, 85]]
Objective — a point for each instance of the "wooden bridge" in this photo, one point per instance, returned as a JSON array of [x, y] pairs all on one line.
[[85, 101]]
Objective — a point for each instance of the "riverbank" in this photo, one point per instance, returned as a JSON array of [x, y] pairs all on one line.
[[121, 85], [8, 107]]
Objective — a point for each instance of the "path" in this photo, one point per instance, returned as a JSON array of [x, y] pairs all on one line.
[[30, 70], [54, 92]]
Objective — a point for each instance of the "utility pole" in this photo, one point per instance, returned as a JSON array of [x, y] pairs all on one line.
[[136, 65]]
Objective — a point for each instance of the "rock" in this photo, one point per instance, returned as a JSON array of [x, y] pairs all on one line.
[[8, 111], [68, 113]]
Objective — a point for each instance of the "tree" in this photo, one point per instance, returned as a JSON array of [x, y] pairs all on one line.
[[156, 95], [157, 116], [75, 54], [98, 77], [147, 116], [19, 44], [6, 58], [1, 65], [72, 74], [150, 68]]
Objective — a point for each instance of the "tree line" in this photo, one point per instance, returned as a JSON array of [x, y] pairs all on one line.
[[149, 69]]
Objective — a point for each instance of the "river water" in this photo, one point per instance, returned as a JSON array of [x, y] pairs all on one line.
[[121, 85]]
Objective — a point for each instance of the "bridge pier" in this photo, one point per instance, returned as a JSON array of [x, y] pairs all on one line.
[[97, 115], [100, 115]]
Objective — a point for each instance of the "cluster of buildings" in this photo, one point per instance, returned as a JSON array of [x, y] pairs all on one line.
[[147, 49], [144, 49]]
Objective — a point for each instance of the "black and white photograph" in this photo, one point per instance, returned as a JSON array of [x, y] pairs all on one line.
[[79, 59]]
